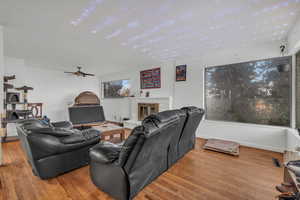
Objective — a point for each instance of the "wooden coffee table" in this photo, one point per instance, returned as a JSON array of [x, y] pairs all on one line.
[[112, 132]]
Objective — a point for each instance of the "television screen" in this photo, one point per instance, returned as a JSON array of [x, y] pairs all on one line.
[[86, 114], [116, 89]]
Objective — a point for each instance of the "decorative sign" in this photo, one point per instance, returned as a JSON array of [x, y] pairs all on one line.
[[181, 73], [150, 78]]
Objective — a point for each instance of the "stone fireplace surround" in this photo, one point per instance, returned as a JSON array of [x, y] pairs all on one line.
[[165, 103]]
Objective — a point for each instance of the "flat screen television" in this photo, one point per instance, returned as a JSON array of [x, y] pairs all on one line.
[[86, 114]]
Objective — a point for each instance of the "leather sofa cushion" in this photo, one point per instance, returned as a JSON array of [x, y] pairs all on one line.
[[90, 133], [162, 118], [76, 138], [34, 124], [62, 124], [193, 109], [129, 145], [154, 124], [80, 136], [181, 113], [105, 152], [57, 132]]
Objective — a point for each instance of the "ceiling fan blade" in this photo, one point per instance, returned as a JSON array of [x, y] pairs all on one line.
[[80, 73], [89, 74], [86, 74]]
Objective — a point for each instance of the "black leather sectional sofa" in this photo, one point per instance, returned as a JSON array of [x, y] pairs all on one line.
[[56, 148], [151, 149]]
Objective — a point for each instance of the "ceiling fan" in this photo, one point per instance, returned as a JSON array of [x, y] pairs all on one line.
[[80, 73]]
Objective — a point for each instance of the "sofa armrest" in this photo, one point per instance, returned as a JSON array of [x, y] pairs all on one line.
[[105, 152], [110, 178], [62, 124]]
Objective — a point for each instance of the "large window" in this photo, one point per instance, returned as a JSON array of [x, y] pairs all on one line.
[[256, 92]]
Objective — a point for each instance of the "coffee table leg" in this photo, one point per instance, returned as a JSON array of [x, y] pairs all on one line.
[[123, 135]]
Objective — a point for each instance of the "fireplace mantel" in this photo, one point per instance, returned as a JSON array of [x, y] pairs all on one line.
[[150, 98]]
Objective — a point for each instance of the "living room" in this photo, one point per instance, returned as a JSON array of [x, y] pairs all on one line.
[[235, 61]]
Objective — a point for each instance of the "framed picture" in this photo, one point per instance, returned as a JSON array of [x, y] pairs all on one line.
[[116, 89], [150, 78], [181, 73]]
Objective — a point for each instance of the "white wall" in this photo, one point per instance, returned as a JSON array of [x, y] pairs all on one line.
[[54, 88], [292, 140], [257, 136], [190, 92], [116, 109], [294, 38]]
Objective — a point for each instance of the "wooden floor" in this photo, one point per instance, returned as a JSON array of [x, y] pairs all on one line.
[[200, 175]]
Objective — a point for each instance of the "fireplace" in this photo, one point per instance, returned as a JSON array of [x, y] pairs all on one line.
[[146, 109], [161, 104]]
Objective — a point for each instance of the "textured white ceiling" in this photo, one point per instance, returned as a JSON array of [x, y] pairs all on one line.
[[113, 35]]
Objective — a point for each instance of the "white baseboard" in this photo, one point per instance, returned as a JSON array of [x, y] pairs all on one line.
[[247, 144]]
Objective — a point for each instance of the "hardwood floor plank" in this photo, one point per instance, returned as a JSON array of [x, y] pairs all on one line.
[[200, 175]]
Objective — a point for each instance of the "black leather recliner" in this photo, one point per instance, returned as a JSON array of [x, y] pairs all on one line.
[[151, 149], [53, 149], [188, 137]]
